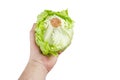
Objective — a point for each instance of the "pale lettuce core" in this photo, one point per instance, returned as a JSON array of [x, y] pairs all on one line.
[[50, 39]]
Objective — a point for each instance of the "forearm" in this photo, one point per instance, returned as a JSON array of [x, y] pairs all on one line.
[[34, 71]]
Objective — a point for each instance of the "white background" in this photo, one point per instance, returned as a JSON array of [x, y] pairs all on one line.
[[95, 50]]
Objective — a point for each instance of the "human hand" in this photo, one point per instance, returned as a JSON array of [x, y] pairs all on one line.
[[38, 65]]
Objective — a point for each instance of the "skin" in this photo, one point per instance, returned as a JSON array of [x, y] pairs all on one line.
[[38, 65]]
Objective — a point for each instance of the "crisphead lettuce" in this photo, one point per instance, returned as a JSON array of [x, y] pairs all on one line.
[[53, 32]]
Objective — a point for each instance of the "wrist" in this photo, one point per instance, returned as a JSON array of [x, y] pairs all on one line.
[[34, 71], [39, 66]]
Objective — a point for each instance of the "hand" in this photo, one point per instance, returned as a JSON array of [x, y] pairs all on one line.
[[38, 65], [35, 54]]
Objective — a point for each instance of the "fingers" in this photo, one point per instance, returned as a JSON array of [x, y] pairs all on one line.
[[32, 37]]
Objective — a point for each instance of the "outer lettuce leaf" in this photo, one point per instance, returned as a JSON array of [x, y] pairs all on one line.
[[52, 46]]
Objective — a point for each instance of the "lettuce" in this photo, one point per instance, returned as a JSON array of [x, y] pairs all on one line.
[[53, 31]]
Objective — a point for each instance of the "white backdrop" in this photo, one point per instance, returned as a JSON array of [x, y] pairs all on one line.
[[95, 50]]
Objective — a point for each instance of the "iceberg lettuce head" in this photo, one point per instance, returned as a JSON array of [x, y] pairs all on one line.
[[53, 31]]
